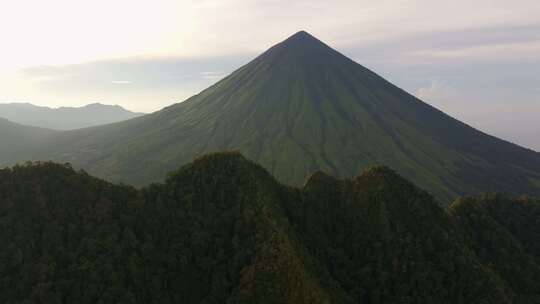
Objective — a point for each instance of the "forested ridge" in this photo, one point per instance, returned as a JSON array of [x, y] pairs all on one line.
[[222, 230]]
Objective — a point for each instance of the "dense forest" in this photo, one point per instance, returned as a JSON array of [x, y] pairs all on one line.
[[222, 230]]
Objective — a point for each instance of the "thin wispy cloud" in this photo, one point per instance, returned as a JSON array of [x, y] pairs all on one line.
[[213, 74], [437, 91], [508, 51], [144, 84]]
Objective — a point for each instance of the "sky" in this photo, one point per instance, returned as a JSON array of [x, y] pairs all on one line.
[[478, 61]]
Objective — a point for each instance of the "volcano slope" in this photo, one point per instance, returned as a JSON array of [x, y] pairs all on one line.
[[297, 108]]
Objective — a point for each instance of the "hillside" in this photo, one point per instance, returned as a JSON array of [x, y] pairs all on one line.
[[16, 140], [64, 118], [222, 230], [504, 233], [298, 108]]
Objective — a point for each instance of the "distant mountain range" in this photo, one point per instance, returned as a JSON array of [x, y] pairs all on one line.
[[298, 108], [222, 230], [64, 118]]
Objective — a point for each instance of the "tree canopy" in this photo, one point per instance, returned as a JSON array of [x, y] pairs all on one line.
[[222, 230]]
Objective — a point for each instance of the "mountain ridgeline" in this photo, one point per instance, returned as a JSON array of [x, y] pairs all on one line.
[[222, 230], [298, 108], [64, 118]]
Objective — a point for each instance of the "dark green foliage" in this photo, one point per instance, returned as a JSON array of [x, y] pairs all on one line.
[[504, 233], [222, 230], [298, 108], [214, 233], [386, 241], [66, 237]]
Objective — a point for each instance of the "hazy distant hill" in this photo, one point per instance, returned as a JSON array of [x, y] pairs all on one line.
[[64, 118], [298, 108], [222, 230], [15, 140]]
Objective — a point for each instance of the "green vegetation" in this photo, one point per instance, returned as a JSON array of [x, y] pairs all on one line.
[[222, 230], [504, 234], [298, 108]]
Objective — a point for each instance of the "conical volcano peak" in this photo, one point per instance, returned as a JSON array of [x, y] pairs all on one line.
[[300, 47], [302, 35], [303, 39]]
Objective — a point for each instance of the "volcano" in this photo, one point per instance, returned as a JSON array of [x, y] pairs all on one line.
[[298, 108]]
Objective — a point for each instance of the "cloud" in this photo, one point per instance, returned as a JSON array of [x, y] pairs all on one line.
[[212, 74], [437, 91], [449, 99], [508, 51], [225, 27], [147, 73], [143, 84], [513, 118], [494, 43]]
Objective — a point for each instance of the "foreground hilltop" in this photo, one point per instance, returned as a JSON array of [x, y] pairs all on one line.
[[222, 230], [298, 108]]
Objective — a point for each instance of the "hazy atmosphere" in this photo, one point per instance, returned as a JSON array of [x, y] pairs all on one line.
[[477, 61]]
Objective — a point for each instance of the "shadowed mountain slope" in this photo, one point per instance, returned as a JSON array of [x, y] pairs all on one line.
[[298, 108]]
